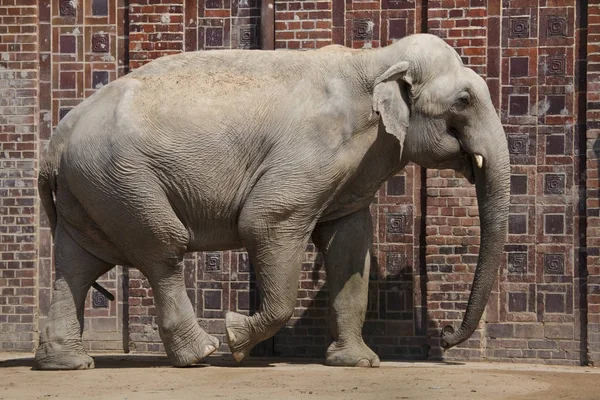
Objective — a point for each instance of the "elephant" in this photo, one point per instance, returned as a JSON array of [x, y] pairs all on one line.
[[264, 150]]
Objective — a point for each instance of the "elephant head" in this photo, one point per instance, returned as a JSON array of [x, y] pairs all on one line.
[[452, 123]]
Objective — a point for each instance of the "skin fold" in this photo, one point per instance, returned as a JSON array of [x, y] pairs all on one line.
[[263, 150]]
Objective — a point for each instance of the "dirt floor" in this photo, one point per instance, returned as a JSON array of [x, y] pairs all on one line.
[[151, 377]]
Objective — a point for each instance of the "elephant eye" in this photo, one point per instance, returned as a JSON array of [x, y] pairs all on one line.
[[464, 99]]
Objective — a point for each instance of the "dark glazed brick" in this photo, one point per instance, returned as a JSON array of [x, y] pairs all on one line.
[[62, 112], [556, 65], [214, 37], [517, 302], [395, 301], [517, 144], [555, 303], [396, 186], [67, 80], [554, 264], [99, 300], [67, 8], [556, 26], [517, 224], [397, 28], [396, 223], [517, 263], [478, 3], [68, 44], [519, 66], [554, 224], [243, 300], [518, 105], [212, 262], [554, 184], [243, 262], [398, 4], [518, 184], [213, 4], [499, 330], [555, 145], [362, 29], [99, 79], [212, 299], [100, 7], [519, 27], [100, 43], [556, 105]]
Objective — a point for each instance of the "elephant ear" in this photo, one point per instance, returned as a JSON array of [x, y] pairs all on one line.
[[390, 100]]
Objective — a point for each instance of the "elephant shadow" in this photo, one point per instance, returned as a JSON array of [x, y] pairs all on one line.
[[395, 327]]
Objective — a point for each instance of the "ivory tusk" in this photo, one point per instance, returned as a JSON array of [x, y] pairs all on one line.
[[479, 160]]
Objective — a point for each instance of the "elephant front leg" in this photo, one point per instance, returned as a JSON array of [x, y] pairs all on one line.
[[277, 266], [345, 245]]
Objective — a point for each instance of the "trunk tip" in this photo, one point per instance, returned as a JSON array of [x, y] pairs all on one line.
[[449, 337]]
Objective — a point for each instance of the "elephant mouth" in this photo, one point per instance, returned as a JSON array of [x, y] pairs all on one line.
[[468, 168], [467, 159]]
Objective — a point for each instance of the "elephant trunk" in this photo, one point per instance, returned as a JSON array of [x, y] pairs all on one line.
[[493, 188]]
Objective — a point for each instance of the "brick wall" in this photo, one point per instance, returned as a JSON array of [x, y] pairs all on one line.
[[18, 158], [592, 182], [540, 60]]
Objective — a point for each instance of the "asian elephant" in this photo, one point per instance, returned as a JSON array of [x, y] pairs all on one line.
[[227, 149]]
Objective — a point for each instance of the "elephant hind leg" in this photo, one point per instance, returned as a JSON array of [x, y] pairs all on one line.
[[60, 344], [186, 343]]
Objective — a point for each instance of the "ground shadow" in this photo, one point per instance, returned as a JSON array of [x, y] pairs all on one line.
[[128, 361]]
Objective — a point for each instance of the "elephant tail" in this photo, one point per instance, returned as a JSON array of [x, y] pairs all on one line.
[[46, 188]]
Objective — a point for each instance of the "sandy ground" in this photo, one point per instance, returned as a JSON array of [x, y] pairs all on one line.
[[151, 377]]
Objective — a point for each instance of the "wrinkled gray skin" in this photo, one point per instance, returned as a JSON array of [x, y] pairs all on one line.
[[223, 149]]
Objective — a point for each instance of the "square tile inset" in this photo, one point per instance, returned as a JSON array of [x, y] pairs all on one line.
[[212, 299], [67, 80], [554, 224], [556, 65], [555, 145], [67, 7], [517, 302], [517, 224], [396, 28], [99, 79], [518, 105], [517, 263], [518, 184], [556, 104], [67, 44], [396, 186], [214, 37], [100, 43], [556, 26], [99, 7], [362, 29], [519, 67], [555, 303], [518, 27], [554, 264], [554, 184]]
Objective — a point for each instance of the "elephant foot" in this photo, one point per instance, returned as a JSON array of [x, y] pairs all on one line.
[[52, 356], [194, 352], [356, 354], [238, 335]]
